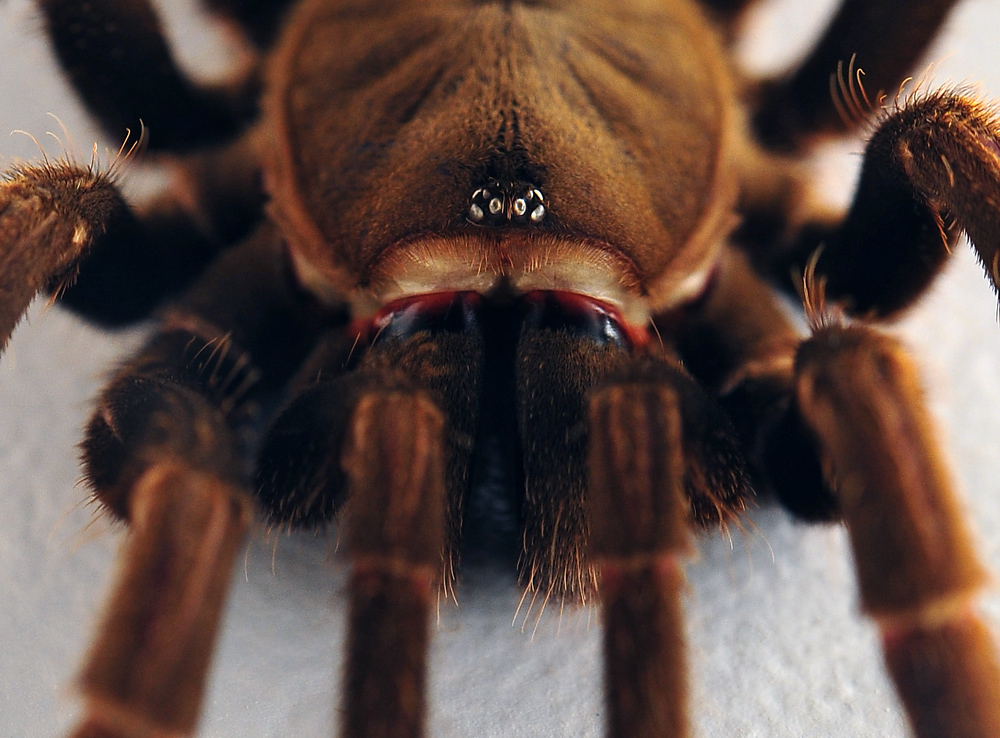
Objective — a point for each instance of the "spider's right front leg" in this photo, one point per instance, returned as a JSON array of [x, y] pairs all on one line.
[[167, 450], [381, 437], [851, 396]]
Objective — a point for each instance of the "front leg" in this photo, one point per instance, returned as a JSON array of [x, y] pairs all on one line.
[[168, 450], [918, 572]]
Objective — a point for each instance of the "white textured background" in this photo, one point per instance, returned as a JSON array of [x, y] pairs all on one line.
[[777, 646]]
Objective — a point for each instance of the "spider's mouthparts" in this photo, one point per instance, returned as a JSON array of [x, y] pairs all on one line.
[[460, 311]]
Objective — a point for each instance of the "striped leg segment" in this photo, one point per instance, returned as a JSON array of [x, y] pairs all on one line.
[[147, 670], [162, 453], [917, 570], [395, 464], [661, 459], [380, 436], [639, 517], [167, 451]]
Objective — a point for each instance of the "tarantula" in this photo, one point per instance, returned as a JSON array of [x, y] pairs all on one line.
[[306, 362]]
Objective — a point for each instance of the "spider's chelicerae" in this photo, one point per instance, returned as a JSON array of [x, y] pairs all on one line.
[[768, 655]]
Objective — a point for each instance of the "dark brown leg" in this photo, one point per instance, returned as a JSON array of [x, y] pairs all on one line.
[[216, 199], [374, 438], [639, 517], [855, 400], [168, 451], [162, 452], [884, 37], [116, 56], [930, 169], [300, 479], [66, 229], [146, 673], [917, 569]]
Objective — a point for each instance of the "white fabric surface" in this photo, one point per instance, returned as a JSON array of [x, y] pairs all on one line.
[[777, 646]]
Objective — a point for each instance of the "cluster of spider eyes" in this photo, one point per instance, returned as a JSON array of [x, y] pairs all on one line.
[[496, 205]]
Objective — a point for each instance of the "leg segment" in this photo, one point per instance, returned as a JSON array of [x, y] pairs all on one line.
[[374, 440], [564, 353], [639, 518], [146, 673], [930, 169], [886, 36], [116, 56], [659, 459], [395, 459], [57, 216], [164, 456], [168, 451], [50, 218], [384, 431], [300, 479], [917, 570], [852, 397]]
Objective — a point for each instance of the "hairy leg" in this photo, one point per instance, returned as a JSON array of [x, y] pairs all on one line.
[[117, 58], [378, 434], [850, 398], [168, 450], [931, 169], [660, 460], [66, 229], [918, 572], [885, 38]]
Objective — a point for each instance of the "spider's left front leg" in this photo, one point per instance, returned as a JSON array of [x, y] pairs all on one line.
[[850, 395], [918, 571], [379, 436]]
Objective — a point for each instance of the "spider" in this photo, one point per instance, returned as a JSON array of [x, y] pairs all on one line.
[[751, 666]]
